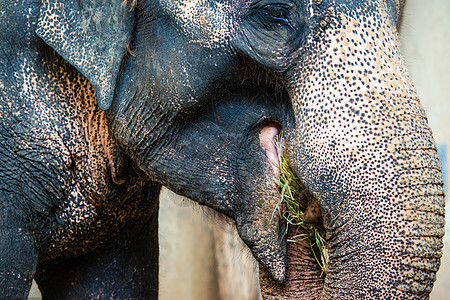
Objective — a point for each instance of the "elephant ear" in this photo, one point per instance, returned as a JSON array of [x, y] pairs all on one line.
[[92, 35]]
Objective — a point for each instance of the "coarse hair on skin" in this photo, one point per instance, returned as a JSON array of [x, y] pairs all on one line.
[[208, 214], [401, 9]]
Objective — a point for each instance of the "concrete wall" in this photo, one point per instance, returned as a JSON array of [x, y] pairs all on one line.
[[202, 257]]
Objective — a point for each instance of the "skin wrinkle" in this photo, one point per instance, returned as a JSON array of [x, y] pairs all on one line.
[[304, 273]]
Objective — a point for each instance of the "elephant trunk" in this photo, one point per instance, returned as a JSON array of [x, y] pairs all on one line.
[[391, 248], [363, 148]]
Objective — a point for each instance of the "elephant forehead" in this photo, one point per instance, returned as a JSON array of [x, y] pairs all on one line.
[[361, 71], [353, 94], [203, 21]]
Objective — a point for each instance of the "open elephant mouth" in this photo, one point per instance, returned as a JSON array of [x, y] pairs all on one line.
[[267, 137], [304, 233], [306, 257]]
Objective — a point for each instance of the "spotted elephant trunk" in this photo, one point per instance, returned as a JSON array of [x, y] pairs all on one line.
[[363, 148]]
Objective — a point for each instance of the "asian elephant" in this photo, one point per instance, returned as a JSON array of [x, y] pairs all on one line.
[[103, 102]]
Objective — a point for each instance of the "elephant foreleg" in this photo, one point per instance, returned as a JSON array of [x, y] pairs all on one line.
[[124, 268], [18, 257]]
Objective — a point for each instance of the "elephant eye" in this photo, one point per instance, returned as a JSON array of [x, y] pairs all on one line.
[[277, 14]]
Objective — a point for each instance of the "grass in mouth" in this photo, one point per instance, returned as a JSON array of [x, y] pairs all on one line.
[[290, 190]]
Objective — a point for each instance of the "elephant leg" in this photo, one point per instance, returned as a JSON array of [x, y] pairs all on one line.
[[126, 268], [18, 257]]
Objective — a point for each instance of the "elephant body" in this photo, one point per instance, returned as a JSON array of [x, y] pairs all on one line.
[[102, 104], [66, 185]]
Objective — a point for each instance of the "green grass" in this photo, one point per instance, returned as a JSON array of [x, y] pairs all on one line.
[[291, 188]]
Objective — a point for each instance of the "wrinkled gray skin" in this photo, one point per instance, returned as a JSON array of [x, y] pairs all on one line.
[[193, 93]]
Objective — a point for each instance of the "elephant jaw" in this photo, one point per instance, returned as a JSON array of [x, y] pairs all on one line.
[[303, 280], [259, 227]]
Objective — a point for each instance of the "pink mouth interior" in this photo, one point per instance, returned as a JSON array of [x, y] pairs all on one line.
[[268, 142]]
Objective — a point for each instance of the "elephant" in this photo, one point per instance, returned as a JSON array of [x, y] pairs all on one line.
[[102, 104]]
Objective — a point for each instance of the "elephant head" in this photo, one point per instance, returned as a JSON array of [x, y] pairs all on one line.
[[197, 90]]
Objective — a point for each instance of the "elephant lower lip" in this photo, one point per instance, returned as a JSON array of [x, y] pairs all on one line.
[[267, 138]]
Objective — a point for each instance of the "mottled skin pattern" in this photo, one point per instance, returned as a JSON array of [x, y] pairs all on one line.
[[186, 88]]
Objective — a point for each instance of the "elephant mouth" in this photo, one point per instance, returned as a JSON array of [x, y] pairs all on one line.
[[268, 139], [272, 142], [304, 222]]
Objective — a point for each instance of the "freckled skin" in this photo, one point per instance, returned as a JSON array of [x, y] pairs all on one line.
[[183, 91]]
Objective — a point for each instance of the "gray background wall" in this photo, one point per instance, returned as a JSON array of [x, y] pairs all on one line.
[[201, 258]]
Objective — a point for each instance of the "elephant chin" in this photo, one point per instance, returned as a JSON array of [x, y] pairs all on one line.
[[303, 278]]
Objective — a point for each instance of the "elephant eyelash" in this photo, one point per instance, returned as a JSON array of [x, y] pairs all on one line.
[[271, 15], [276, 14]]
